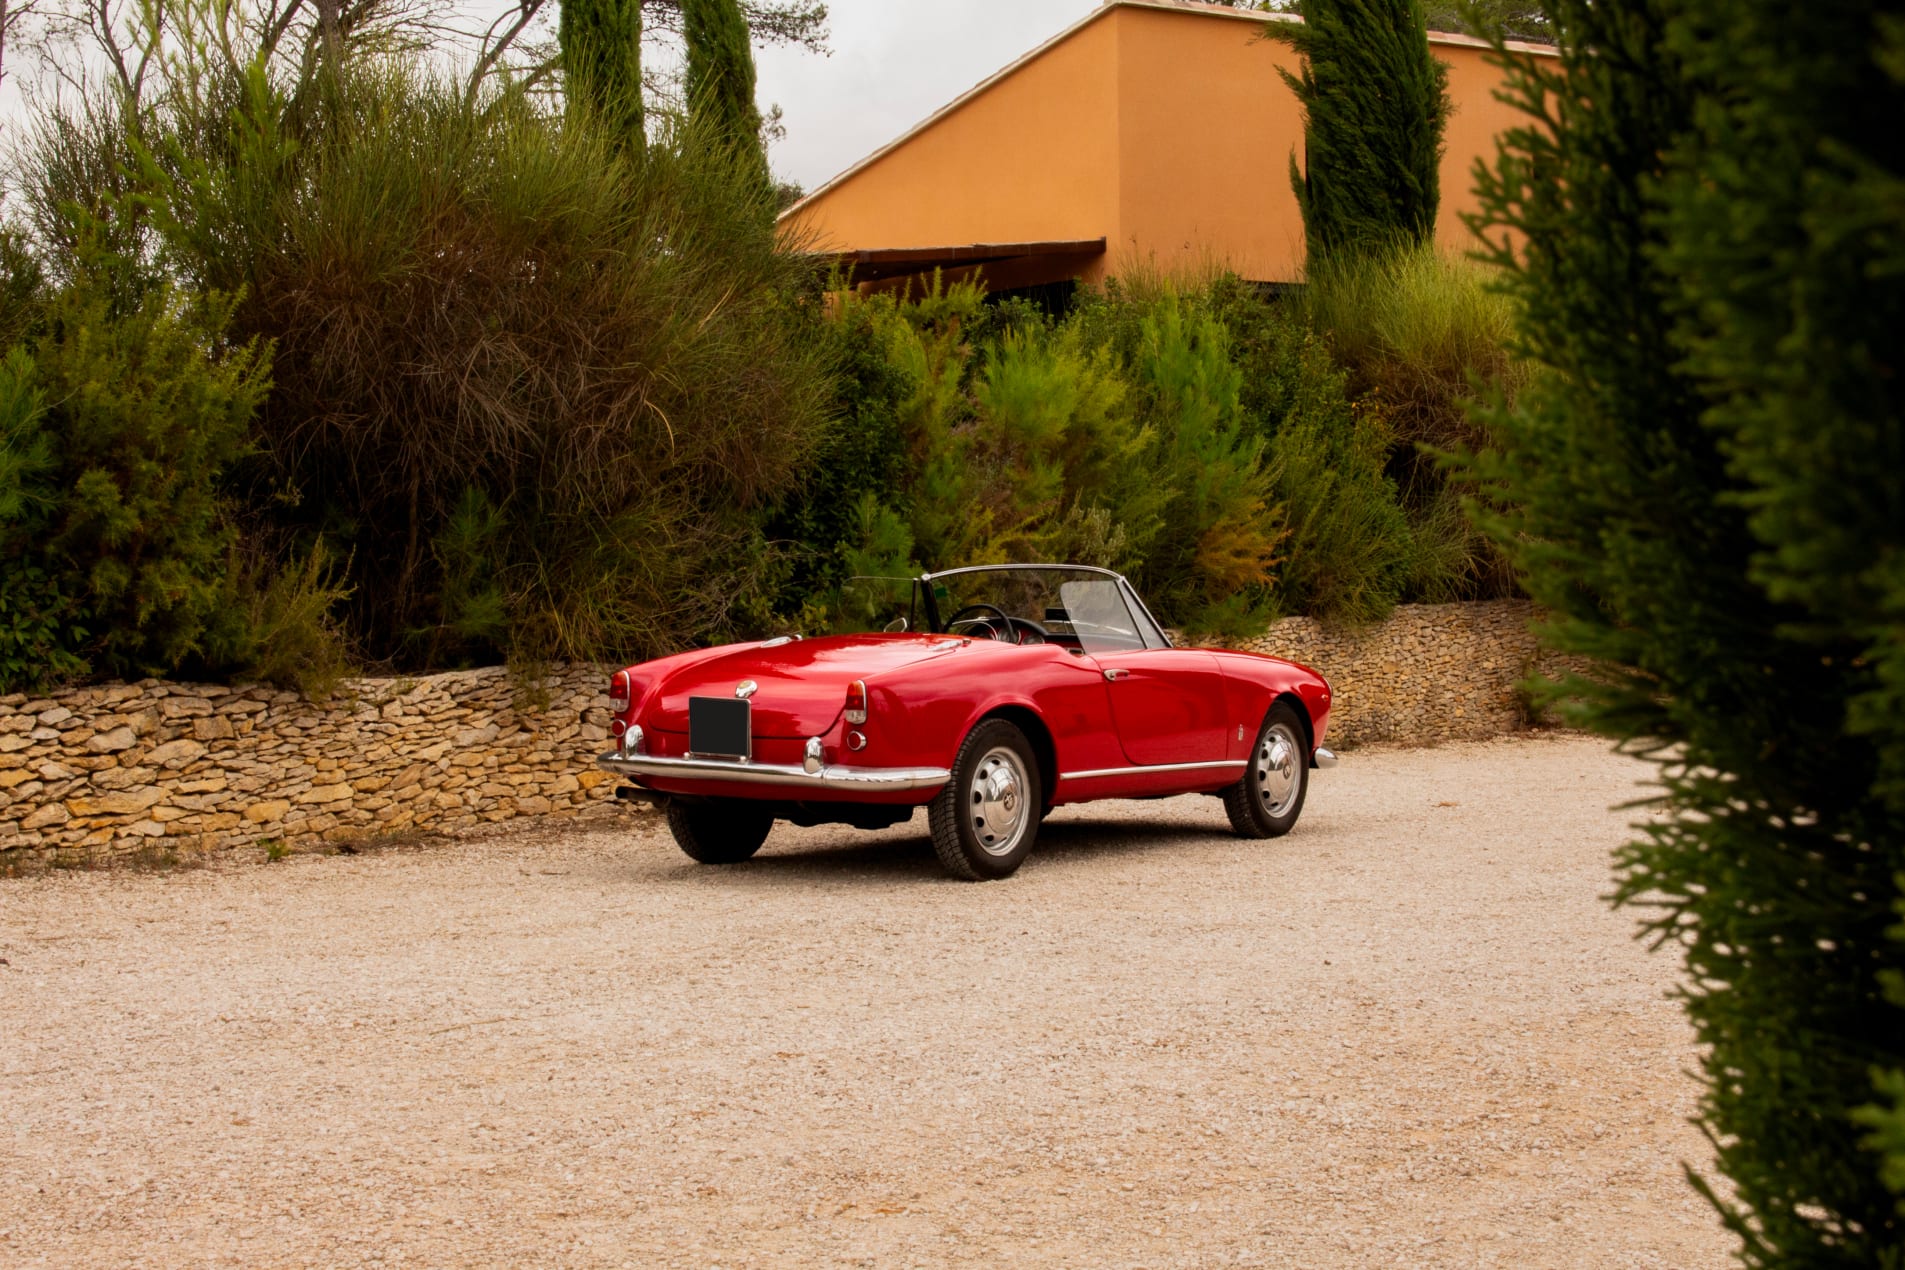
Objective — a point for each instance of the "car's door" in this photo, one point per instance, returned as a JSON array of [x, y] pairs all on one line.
[[1167, 704]]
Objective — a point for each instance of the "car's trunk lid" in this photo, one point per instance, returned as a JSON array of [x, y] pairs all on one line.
[[800, 686]]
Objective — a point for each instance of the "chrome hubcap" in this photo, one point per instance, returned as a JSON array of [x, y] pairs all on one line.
[[997, 801], [1279, 766]]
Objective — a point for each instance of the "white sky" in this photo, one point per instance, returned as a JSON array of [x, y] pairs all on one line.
[[894, 63]]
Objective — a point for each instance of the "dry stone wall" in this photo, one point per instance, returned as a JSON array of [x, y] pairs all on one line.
[[186, 767], [1432, 672], [114, 769]]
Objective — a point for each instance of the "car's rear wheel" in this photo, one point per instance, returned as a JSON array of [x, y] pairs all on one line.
[[720, 830], [1269, 798], [986, 818]]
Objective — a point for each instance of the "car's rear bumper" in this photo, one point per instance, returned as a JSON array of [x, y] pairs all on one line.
[[822, 782]]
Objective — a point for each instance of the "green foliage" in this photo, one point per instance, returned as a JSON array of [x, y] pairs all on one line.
[[1511, 19], [1375, 105], [125, 520], [39, 627], [720, 84], [281, 621], [539, 389], [1351, 554], [601, 47], [1704, 489], [1420, 334]]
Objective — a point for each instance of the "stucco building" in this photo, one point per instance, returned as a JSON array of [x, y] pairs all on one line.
[[1151, 133]]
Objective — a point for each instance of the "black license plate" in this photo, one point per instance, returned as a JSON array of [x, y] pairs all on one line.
[[720, 727]]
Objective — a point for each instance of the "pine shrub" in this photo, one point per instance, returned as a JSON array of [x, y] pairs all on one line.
[[1375, 105], [720, 85], [1700, 225]]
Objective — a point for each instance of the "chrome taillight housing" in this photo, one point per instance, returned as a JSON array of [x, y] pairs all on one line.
[[856, 712], [621, 690]]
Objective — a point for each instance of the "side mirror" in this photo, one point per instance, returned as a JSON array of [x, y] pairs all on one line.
[[895, 626]]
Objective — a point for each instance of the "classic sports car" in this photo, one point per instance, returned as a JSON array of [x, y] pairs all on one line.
[[1003, 691]]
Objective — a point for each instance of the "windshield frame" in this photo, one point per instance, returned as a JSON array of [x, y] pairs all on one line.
[[1150, 628]]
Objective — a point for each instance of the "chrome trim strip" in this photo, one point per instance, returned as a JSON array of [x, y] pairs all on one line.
[[842, 779], [1151, 767]]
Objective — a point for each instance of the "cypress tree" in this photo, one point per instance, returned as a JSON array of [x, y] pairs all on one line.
[[1375, 104], [601, 47], [1707, 494], [721, 83]]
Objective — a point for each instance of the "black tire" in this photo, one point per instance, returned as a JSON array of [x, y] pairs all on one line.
[[1265, 803], [720, 831], [986, 819]]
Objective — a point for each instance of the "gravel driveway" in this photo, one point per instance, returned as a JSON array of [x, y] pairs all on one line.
[[1408, 1034]]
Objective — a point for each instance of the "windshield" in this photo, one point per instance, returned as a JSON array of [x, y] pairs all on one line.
[[1075, 608]]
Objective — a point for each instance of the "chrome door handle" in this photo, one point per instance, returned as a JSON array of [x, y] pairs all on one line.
[[1115, 675]]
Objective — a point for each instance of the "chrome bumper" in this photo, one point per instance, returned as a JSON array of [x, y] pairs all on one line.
[[1324, 758], [838, 780]]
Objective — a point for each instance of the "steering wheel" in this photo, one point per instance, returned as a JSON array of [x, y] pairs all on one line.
[[1015, 629]]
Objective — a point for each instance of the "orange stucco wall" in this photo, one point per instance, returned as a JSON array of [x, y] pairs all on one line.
[[1031, 159], [1167, 131]]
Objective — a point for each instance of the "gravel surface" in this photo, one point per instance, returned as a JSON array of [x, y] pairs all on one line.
[[1410, 1033]]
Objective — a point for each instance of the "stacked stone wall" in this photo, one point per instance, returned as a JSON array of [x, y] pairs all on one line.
[[1431, 673], [114, 769], [159, 766]]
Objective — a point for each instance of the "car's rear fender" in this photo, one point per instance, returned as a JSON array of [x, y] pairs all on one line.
[[1027, 720]]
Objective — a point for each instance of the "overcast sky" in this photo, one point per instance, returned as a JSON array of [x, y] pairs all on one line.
[[894, 63]]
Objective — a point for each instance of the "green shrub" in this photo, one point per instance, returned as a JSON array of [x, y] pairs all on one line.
[[536, 389], [1352, 553], [1700, 222], [118, 428], [40, 627], [1420, 334]]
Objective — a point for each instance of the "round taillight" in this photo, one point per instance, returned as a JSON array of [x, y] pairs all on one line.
[[619, 691]]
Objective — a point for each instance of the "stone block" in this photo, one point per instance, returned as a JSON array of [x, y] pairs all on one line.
[[262, 813], [175, 754], [120, 803], [50, 816], [123, 777], [113, 742], [212, 728], [326, 794]]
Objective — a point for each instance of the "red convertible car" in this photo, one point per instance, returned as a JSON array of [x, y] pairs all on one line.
[[1003, 692]]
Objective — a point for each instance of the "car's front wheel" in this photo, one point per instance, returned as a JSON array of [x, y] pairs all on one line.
[[1269, 798], [720, 830], [986, 818]]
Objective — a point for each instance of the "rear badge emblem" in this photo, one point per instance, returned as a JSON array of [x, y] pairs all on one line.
[[746, 688]]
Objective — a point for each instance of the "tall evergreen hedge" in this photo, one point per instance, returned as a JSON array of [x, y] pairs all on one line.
[[1375, 105], [721, 82], [601, 45], [1707, 491]]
